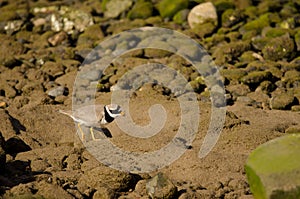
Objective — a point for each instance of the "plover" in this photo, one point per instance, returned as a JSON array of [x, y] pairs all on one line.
[[94, 116]]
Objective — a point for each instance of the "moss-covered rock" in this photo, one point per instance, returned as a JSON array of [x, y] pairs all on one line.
[[233, 74], [142, 9], [279, 48], [222, 5], [254, 78], [181, 16], [273, 169], [205, 29], [282, 101], [267, 87], [259, 43], [229, 52], [91, 36], [275, 32], [258, 24], [8, 50], [288, 10], [231, 17], [168, 8], [114, 8], [247, 56]]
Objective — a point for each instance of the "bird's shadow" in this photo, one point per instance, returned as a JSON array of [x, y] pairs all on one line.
[[105, 131]]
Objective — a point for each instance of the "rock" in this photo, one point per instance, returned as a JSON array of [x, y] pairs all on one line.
[[274, 32], [293, 129], [53, 69], [273, 168], [249, 56], [2, 153], [20, 101], [58, 38], [115, 8], [64, 18], [8, 50], [254, 78], [104, 193], [160, 187], [238, 90], [52, 191], [23, 191], [202, 14], [231, 17], [3, 104], [223, 5], [181, 16], [168, 8], [103, 176], [229, 52], [258, 24], [90, 37], [140, 187], [279, 48], [259, 43], [142, 9], [266, 87], [282, 101], [6, 125], [295, 108], [260, 98], [233, 74], [58, 91]]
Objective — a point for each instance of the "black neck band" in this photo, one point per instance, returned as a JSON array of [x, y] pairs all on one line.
[[107, 117]]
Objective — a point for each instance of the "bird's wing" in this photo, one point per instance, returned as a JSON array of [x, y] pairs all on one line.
[[89, 115]]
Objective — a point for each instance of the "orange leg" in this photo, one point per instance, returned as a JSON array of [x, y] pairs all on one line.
[[82, 134], [92, 133]]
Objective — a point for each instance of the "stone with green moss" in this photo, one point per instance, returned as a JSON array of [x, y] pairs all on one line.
[[142, 9], [282, 101], [222, 5], [168, 8], [205, 29], [247, 56], [231, 17], [251, 12], [279, 48], [114, 8], [273, 169], [229, 52], [275, 32], [233, 74], [259, 43], [181, 16], [256, 77], [258, 24], [91, 36]]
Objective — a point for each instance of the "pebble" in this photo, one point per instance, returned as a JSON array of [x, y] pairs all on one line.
[[58, 91], [3, 104], [160, 186], [202, 13]]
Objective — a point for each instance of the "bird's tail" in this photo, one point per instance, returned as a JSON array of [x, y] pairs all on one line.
[[69, 113]]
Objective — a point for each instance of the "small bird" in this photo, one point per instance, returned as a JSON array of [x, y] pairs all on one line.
[[94, 116]]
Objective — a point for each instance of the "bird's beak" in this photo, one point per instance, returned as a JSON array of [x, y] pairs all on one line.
[[122, 113]]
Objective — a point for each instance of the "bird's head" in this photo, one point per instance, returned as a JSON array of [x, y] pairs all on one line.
[[111, 112]]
